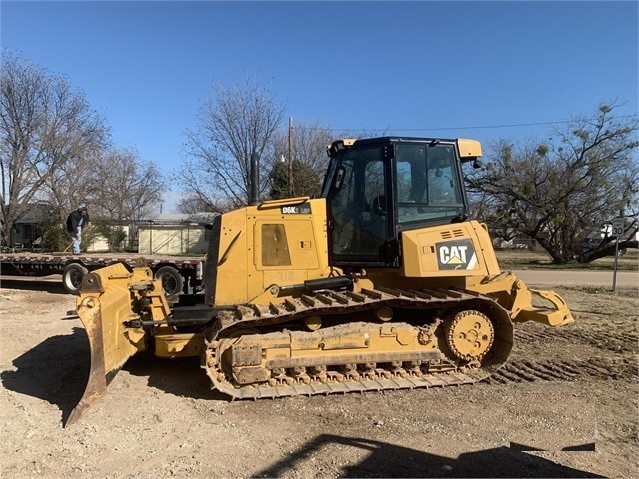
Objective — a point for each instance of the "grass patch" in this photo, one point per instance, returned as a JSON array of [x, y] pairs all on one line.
[[524, 259]]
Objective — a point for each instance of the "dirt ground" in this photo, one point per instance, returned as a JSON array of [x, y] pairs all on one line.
[[566, 405]]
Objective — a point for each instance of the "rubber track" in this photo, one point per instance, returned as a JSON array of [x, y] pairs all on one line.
[[340, 303]]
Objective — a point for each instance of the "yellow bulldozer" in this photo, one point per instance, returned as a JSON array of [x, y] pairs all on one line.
[[380, 283]]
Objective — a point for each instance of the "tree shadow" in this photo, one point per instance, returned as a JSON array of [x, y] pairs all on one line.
[[388, 460]]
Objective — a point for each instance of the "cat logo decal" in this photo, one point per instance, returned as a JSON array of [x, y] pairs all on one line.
[[456, 255]]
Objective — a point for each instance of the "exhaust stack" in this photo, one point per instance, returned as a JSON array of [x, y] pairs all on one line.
[[254, 180]]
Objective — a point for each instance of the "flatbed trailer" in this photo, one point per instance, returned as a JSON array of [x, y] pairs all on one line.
[[178, 273]]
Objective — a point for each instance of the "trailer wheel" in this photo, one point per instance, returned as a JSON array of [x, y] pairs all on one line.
[[72, 277], [172, 281]]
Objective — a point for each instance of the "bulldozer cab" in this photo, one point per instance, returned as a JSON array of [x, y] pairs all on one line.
[[376, 188]]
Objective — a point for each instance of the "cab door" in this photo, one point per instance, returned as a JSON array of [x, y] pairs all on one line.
[[359, 223]]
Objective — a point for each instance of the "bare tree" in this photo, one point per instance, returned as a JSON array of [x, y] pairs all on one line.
[[560, 192], [44, 125], [128, 188], [192, 204], [73, 183], [115, 184], [239, 122]]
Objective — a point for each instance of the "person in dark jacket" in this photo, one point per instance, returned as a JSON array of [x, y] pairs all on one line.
[[77, 220]]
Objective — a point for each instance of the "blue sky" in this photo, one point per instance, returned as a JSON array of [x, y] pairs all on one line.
[[415, 68]]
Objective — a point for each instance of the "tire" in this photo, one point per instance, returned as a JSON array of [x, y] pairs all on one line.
[[72, 277], [172, 281]]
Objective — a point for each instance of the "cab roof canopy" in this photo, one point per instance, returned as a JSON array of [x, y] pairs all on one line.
[[469, 150]]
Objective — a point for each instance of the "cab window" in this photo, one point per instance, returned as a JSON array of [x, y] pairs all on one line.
[[427, 183]]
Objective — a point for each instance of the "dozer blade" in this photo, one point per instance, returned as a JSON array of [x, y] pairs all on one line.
[[97, 384], [105, 306]]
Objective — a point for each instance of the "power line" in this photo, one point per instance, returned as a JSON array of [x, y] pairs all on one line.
[[480, 127], [515, 125]]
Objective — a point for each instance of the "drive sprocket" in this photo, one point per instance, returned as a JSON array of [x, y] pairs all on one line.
[[469, 335]]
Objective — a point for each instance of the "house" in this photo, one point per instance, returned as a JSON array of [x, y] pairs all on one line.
[[175, 233], [98, 243], [27, 225]]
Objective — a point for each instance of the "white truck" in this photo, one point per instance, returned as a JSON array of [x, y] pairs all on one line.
[[178, 273]]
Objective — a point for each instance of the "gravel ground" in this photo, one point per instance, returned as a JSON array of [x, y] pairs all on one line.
[[566, 405]]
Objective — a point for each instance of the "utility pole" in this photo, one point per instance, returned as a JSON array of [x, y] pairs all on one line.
[[290, 157]]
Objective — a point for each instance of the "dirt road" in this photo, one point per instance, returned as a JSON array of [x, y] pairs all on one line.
[[566, 405]]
